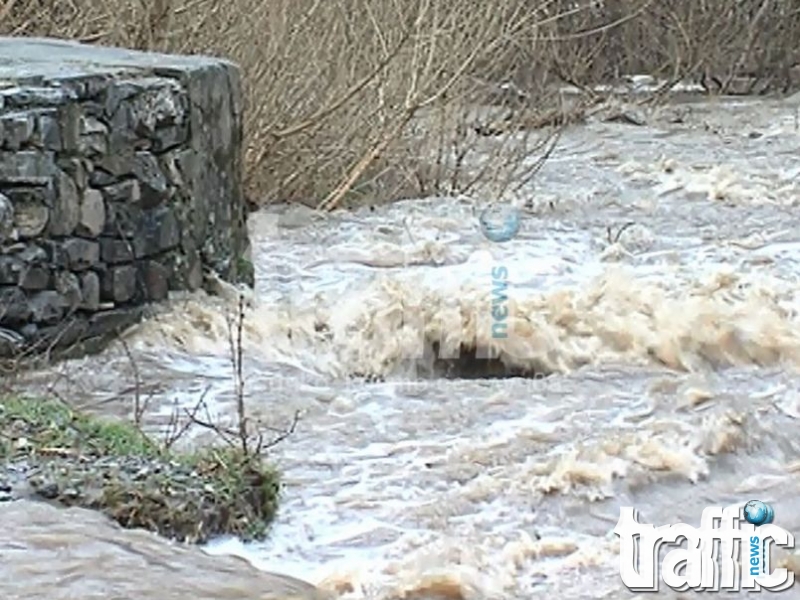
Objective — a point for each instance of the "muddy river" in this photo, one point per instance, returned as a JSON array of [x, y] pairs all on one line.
[[665, 356]]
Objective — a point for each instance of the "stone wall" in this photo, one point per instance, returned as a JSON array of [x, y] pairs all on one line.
[[120, 180]]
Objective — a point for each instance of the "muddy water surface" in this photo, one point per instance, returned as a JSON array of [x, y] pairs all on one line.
[[666, 356]]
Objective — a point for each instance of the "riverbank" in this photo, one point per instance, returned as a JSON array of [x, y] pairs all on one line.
[[51, 452]]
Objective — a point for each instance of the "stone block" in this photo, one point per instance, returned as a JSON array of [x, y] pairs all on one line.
[[92, 214], [18, 129], [31, 96], [115, 251], [33, 254], [68, 285], [122, 220], [118, 284], [57, 255], [98, 177], [155, 280], [48, 131], [169, 137], [69, 126], [7, 224], [28, 167], [114, 322], [154, 187], [160, 229], [47, 307], [82, 254], [35, 278], [65, 333], [93, 137], [31, 209], [128, 191], [11, 270], [90, 290], [76, 168], [14, 306], [66, 211]]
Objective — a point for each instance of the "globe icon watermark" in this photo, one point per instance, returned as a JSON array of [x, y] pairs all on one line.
[[500, 223], [758, 513]]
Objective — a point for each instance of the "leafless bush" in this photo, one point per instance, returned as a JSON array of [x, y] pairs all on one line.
[[371, 100], [250, 437], [700, 39]]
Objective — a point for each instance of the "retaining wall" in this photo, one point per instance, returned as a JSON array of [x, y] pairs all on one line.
[[120, 180]]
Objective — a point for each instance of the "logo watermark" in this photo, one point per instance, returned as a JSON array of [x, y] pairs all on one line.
[[729, 551], [500, 223], [499, 302]]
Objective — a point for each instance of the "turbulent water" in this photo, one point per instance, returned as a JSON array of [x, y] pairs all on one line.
[[662, 358]]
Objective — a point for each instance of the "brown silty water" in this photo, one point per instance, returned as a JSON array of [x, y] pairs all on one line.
[[671, 358]]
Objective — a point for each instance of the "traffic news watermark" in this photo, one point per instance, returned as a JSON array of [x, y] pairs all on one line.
[[727, 552]]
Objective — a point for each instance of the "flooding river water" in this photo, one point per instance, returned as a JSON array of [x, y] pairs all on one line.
[[666, 358]]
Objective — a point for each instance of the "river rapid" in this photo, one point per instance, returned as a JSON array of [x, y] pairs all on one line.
[[666, 357]]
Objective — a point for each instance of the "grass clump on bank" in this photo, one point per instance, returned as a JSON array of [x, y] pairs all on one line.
[[74, 459]]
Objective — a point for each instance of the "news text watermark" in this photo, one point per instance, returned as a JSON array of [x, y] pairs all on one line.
[[729, 551]]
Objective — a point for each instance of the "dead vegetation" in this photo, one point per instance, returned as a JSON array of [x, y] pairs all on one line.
[[142, 471], [372, 100]]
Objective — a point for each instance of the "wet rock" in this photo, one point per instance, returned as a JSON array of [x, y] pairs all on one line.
[[65, 333], [6, 491], [93, 137], [127, 191], [31, 214], [14, 306], [123, 220], [136, 563], [6, 219], [118, 284], [625, 114], [11, 270], [33, 254], [47, 307], [92, 214], [100, 178], [155, 277], [11, 342], [56, 253], [154, 188], [18, 129], [69, 124], [46, 489], [90, 290], [119, 163], [30, 96], [28, 167], [35, 278], [169, 137], [48, 132], [81, 253], [161, 230], [67, 209], [68, 285], [114, 251], [170, 168], [77, 169], [113, 322]]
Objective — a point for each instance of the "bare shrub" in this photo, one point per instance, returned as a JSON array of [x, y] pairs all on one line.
[[703, 40], [371, 100]]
